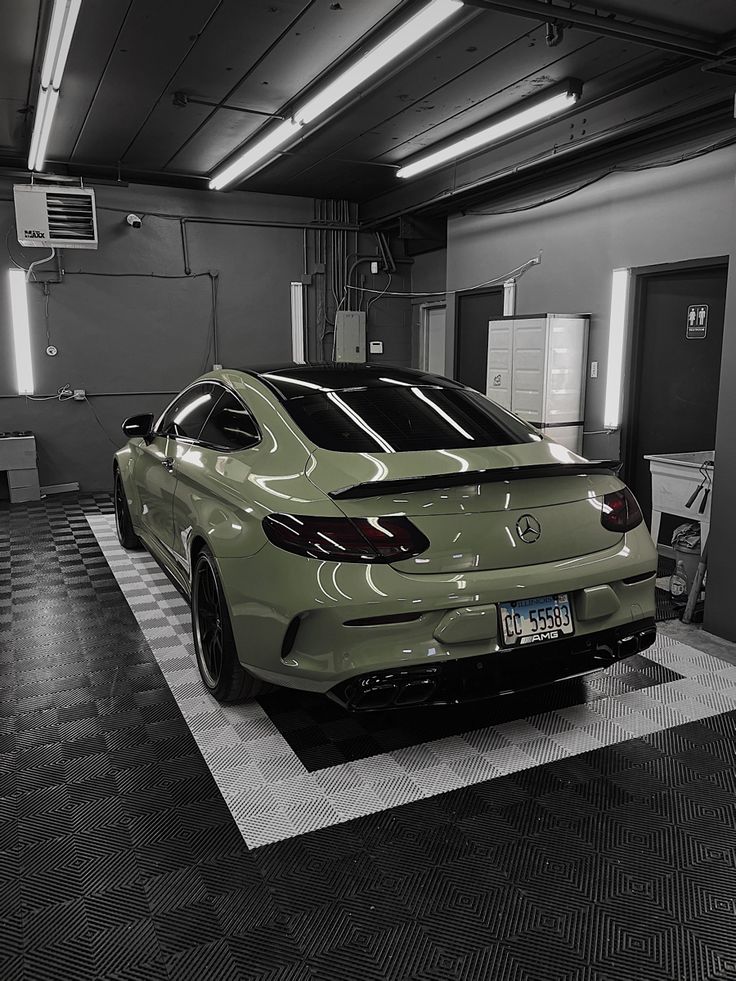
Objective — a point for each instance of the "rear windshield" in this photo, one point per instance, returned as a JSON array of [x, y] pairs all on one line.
[[401, 418]]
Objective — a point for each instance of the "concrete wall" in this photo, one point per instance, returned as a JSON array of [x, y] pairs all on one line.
[[633, 219], [121, 338]]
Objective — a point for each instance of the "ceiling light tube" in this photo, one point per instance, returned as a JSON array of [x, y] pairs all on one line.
[[45, 109], [43, 95], [254, 154], [63, 20], [378, 57], [616, 345], [21, 331], [61, 29], [521, 119], [386, 51]]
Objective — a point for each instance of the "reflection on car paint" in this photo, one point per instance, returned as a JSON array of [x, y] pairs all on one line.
[[371, 584]]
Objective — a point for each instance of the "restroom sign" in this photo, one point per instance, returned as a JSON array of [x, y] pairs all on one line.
[[697, 321]]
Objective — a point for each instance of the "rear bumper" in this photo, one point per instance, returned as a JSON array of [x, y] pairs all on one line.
[[301, 623], [503, 672]]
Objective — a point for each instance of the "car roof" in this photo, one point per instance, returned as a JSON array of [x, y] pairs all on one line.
[[285, 378]]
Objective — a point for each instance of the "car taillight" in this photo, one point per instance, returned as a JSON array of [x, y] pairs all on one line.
[[345, 539], [620, 511]]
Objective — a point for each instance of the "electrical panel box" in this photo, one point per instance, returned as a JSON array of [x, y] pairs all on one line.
[[350, 335], [537, 368]]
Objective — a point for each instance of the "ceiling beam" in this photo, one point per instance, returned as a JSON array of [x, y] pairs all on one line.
[[605, 24]]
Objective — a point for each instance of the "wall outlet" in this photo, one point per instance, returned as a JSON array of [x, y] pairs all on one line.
[[80, 394], [593, 369], [374, 268]]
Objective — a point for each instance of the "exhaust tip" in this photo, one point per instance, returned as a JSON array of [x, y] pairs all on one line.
[[416, 692], [382, 696], [628, 646]]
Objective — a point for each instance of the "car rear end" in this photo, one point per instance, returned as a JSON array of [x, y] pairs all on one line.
[[464, 555]]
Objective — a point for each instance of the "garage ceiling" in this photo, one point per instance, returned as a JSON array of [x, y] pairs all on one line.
[[165, 92]]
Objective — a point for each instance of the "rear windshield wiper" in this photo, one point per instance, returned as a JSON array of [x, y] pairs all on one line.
[[402, 485]]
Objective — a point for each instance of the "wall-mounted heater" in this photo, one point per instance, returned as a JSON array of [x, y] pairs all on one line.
[[48, 216]]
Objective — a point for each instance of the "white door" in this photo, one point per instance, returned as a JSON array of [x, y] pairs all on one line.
[[432, 339]]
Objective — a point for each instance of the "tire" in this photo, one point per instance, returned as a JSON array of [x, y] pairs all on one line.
[[123, 525], [214, 645]]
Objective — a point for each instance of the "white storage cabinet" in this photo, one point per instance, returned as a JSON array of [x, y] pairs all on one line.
[[537, 367]]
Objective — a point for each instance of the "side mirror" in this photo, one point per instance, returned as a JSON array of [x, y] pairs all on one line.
[[137, 426]]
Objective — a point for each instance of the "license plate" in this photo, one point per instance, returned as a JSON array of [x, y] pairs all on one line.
[[531, 621]]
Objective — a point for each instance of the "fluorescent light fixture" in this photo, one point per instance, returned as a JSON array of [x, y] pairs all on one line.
[[297, 323], [249, 158], [45, 109], [616, 344], [40, 112], [522, 119], [21, 331], [417, 27], [378, 57], [63, 19]]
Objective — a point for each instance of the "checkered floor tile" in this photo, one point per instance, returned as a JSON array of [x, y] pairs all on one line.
[[273, 795]]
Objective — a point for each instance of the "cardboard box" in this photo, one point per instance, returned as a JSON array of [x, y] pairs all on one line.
[[17, 452]]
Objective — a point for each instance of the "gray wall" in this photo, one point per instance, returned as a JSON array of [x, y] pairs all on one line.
[[429, 272], [144, 335], [719, 616], [634, 219], [651, 217], [388, 317]]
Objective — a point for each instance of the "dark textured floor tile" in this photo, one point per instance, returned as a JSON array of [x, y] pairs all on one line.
[[120, 860]]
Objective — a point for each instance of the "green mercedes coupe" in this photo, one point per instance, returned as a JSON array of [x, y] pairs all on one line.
[[382, 535]]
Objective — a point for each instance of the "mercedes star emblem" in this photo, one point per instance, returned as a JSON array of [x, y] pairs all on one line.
[[528, 529]]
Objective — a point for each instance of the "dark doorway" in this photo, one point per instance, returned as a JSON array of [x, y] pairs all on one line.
[[473, 310], [673, 393]]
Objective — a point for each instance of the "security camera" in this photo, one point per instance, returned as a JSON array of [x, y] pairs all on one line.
[[134, 221]]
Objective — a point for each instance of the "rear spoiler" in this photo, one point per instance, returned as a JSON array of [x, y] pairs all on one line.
[[376, 488]]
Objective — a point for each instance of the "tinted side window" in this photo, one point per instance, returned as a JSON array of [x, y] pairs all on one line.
[[187, 414], [231, 426]]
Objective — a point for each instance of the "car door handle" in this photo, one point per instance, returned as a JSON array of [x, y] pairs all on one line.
[[168, 463]]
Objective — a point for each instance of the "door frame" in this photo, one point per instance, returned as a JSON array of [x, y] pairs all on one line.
[[459, 294], [633, 351], [422, 339]]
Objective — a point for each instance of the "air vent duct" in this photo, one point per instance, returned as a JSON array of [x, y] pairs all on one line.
[[55, 217]]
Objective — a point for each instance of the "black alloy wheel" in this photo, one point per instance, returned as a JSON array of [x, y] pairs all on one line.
[[214, 643], [123, 525], [209, 625]]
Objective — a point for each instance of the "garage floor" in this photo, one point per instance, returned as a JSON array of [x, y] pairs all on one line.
[[586, 831]]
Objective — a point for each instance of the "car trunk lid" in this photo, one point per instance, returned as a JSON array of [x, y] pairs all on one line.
[[518, 505]]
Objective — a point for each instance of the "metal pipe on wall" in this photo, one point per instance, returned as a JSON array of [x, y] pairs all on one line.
[[249, 223]]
